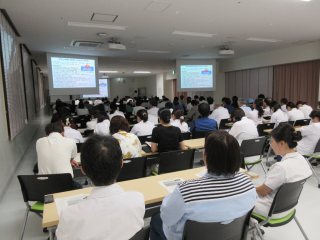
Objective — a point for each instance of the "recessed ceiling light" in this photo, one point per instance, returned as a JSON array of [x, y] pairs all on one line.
[[195, 34], [95, 25], [102, 35], [141, 72], [263, 40], [153, 51], [305, 0], [108, 71]]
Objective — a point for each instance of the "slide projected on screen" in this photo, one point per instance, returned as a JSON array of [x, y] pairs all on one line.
[[196, 76], [73, 73], [103, 90]]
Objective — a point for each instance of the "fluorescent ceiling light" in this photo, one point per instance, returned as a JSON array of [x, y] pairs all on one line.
[[305, 0], [108, 71], [195, 34], [96, 25], [263, 40], [153, 51], [141, 72]]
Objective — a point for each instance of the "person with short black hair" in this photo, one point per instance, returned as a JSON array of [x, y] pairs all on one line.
[[283, 103], [193, 113], [293, 113], [154, 107], [220, 113], [235, 103], [267, 106], [55, 152], [292, 167], [166, 137], [114, 111], [144, 127], [210, 101], [214, 197], [204, 123], [278, 115], [227, 104], [71, 133], [189, 105], [243, 105], [261, 96], [243, 127], [129, 142], [310, 135], [101, 161], [137, 107]]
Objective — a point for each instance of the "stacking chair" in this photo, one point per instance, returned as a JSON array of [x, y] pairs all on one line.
[[133, 168], [35, 187], [235, 230], [186, 135], [264, 126], [253, 148], [223, 123], [175, 161], [302, 122], [79, 146], [144, 139], [143, 234], [286, 199], [200, 134], [314, 156]]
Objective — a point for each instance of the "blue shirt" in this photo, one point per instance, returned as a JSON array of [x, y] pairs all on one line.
[[204, 125], [210, 198]]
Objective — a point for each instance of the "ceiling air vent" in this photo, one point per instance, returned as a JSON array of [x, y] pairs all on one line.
[[90, 44]]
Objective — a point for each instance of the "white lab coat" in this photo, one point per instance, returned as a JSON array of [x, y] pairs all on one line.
[[219, 114], [278, 117], [244, 129], [310, 137], [295, 114], [143, 128]]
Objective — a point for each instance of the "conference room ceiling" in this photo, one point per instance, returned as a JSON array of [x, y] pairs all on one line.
[[149, 25]]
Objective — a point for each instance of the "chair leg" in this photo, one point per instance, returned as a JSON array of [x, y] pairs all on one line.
[[301, 229], [25, 223], [265, 172], [257, 226]]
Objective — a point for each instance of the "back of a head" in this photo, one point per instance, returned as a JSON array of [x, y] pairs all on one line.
[[261, 96], [165, 115], [143, 115], [154, 102], [194, 102], [118, 123], [210, 100], [286, 133], [113, 107], [196, 97], [101, 159], [178, 114], [55, 117], [238, 114], [204, 109], [268, 101], [222, 153], [102, 117], [276, 107], [291, 105], [168, 105], [284, 101], [54, 127], [259, 103], [227, 101], [234, 99], [315, 114]]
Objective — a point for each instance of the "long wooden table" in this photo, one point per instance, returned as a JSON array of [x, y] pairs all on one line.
[[149, 186], [197, 143]]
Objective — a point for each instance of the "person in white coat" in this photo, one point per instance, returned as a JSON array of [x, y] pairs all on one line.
[[102, 127], [294, 114], [243, 128], [310, 135], [114, 111], [220, 113], [144, 127], [70, 132], [257, 112], [108, 212], [278, 115], [306, 109], [178, 121]]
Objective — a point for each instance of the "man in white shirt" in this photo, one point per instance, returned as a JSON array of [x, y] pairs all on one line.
[[154, 109], [306, 109], [55, 152], [294, 114], [109, 212], [70, 132], [283, 103], [310, 135], [278, 115], [243, 128], [219, 114]]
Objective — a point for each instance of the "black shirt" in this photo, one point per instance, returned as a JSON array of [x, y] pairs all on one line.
[[167, 138]]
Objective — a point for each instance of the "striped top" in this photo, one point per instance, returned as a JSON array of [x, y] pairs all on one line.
[[210, 198]]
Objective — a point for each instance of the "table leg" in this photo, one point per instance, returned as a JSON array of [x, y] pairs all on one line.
[[51, 232]]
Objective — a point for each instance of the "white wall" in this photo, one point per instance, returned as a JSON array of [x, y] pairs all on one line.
[[11, 151], [306, 52]]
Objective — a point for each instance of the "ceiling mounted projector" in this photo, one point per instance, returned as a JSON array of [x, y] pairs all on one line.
[[226, 51], [114, 44]]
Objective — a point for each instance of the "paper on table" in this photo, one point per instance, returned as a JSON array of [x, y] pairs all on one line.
[[170, 184], [64, 202]]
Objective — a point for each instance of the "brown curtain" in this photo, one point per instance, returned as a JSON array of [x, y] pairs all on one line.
[[297, 81]]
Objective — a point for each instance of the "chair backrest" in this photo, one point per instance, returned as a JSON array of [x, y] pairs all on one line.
[[186, 135], [88, 132], [264, 126], [223, 123], [287, 197], [79, 146], [235, 230], [34, 187], [144, 139], [175, 161], [132, 168], [291, 123], [253, 147], [317, 148], [143, 234], [302, 122], [200, 134]]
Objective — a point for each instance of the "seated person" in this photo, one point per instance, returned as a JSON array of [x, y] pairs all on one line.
[[243, 128], [256, 114], [310, 135], [91, 125], [114, 111], [55, 152], [223, 201], [278, 115], [108, 212], [294, 114], [204, 124], [292, 167], [144, 127], [178, 121], [219, 113], [81, 109], [154, 107], [137, 107], [244, 106], [166, 137], [129, 143], [227, 104], [71, 133], [193, 112], [103, 125], [306, 109]]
